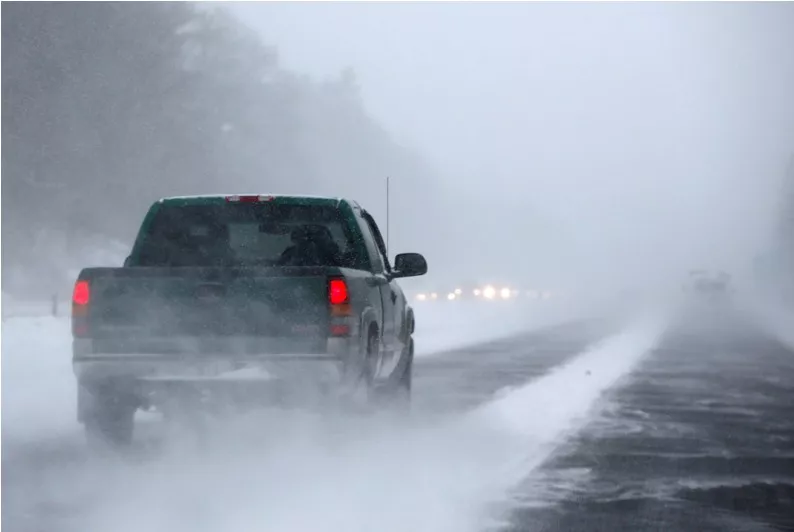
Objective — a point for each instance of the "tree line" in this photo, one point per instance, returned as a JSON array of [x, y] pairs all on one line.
[[107, 106]]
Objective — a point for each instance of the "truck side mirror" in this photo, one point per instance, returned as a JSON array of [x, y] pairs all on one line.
[[409, 265]]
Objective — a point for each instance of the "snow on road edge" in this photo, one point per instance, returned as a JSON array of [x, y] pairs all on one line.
[[541, 415]]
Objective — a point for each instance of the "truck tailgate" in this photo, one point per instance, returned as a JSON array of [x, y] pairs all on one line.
[[152, 309]]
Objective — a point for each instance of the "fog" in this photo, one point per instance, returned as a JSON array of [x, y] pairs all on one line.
[[579, 144], [616, 140], [592, 150]]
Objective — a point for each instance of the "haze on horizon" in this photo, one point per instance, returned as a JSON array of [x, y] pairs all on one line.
[[612, 141]]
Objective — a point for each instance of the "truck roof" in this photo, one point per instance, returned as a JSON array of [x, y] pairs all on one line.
[[205, 199]]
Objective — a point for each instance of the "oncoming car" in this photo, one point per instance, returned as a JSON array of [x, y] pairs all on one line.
[[709, 285], [474, 292]]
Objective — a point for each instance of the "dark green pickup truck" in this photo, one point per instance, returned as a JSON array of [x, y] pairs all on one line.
[[251, 293]]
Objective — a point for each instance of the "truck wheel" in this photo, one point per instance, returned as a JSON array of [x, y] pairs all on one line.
[[396, 393], [110, 423], [370, 364]]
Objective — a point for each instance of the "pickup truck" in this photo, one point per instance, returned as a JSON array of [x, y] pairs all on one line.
[[242, 293]]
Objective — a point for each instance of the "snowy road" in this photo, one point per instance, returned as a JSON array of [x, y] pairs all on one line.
[[510, 428]]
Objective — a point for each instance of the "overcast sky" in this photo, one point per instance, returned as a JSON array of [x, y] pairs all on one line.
[[635, 128]]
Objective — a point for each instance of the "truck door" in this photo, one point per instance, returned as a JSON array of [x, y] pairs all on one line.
[[391, 295]]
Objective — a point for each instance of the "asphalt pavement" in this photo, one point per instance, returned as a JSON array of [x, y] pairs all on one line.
[[700, 439], [460, 379]]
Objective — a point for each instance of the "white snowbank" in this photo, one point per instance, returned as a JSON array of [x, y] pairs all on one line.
[[566, 395], [14, 308], [38, 386]]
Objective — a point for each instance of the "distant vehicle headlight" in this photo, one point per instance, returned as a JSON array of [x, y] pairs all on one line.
[[433, 296], [477, 292], [458, 291], [421, 297], [451, 296], [489, 292], [505, 293]]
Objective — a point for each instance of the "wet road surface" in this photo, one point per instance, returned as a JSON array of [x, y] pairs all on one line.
[[700, 439]]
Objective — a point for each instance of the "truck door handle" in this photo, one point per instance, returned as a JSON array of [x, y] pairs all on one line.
[[393, 296]]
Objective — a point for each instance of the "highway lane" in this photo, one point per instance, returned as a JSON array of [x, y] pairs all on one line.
[[460, 379], [700, 439]]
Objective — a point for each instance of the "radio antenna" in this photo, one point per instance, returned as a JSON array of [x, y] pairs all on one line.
[[387, 216]]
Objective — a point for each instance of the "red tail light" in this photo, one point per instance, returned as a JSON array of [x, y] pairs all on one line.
[[81, 297], [341, 311], [337, 292], [82, 293]]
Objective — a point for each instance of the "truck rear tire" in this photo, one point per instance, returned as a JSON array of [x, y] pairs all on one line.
[[406, 379], [109, 423], [370, 363]]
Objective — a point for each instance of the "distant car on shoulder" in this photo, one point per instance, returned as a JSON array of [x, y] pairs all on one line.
[[710, 285]]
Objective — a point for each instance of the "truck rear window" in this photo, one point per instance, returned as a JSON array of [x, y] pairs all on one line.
[[245, 234]]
